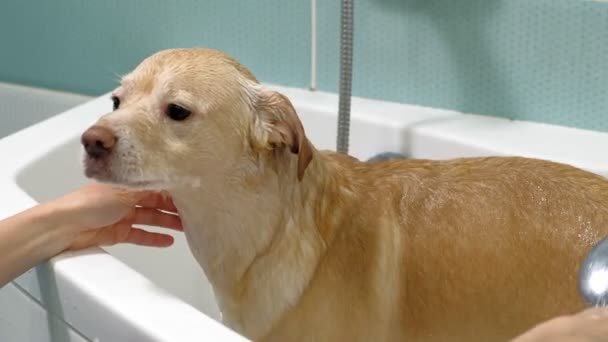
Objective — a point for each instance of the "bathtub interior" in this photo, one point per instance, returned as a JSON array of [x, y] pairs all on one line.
[[173, 268], [49, 170], [376, 127], [22, 106]]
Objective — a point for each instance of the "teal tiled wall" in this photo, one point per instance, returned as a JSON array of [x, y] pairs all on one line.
[[82, 45], [539, 60]]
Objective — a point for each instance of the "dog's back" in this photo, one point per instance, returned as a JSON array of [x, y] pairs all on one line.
[[300, 245], [464, 250]]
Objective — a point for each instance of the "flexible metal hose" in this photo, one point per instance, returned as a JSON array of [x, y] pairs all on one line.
[[346, 69]]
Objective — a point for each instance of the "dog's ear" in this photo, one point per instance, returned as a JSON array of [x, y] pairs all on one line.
[[277, 126]]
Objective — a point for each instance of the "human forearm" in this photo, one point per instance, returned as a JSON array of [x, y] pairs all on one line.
[[94, 215], [29, 238]]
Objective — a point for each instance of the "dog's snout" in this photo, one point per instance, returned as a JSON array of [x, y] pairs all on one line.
[[98, 141]]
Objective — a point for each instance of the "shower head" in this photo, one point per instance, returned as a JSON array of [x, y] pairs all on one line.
[[593, 275]]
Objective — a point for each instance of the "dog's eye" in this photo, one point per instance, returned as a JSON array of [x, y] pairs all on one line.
[[176, 112], [115, 102]]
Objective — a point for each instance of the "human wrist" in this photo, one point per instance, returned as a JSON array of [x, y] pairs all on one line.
[[29, 238], [57, 224]]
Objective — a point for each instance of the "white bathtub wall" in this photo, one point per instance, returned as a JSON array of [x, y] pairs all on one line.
[[22, 317], [29, 321], [21, 106], [44, 306], [173, 269]]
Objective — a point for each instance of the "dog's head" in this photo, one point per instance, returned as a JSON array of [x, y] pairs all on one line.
[[185, 113]]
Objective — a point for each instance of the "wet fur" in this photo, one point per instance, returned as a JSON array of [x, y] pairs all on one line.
[[304, 245]]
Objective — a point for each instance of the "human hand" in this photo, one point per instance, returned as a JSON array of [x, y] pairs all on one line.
[[99, 214], [586, 326]]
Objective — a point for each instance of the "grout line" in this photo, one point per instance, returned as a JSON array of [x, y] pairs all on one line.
[[313, 44], [50, 313]]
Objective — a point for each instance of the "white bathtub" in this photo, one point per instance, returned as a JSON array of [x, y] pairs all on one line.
[[130, 293]]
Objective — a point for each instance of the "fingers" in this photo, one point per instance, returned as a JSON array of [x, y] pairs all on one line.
[[157, 201], [124, 232], [147, 199], [153, 217], [144, 238]]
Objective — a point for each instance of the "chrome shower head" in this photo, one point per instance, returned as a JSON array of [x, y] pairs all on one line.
[[593, 275]]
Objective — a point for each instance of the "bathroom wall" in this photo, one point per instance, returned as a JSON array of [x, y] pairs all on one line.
[[21, 106], [539, 60]]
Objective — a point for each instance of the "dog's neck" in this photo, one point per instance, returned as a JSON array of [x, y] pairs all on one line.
[[257, 236]]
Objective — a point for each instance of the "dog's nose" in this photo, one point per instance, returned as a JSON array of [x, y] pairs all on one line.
[[98, 141]]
